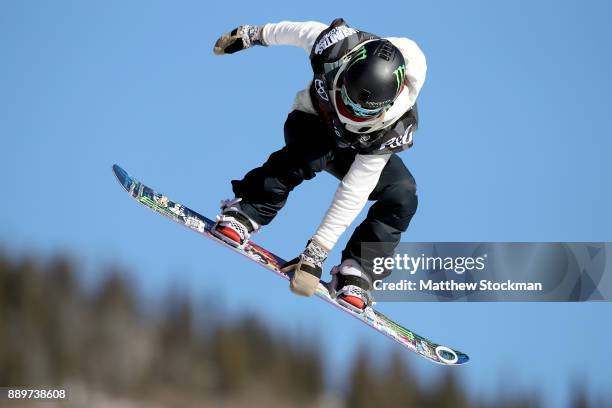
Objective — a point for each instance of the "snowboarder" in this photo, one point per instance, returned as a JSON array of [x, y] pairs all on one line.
[[357, 112]]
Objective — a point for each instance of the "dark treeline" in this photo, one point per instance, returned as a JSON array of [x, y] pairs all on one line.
[[102, 347]]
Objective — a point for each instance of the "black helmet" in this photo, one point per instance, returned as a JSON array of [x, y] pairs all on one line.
[[372, 80]]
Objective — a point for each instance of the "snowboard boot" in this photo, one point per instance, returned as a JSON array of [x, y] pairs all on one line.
[[350, 286], [233, 226]]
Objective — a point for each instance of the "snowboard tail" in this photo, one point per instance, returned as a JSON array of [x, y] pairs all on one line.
[[192, 220]]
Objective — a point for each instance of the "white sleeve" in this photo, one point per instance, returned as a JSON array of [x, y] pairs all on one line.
[[350, 198], [416, 65], [301, 34]]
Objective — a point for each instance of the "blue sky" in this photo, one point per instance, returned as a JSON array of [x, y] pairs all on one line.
[[513, 146]]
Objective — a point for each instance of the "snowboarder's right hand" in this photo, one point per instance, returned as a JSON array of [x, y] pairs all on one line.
[[307, 269], [238, 39]]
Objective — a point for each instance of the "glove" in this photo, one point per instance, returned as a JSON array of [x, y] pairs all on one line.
[[238, 39], [306, 268]]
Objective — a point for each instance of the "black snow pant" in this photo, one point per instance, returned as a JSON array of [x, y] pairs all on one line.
[[310, 149]]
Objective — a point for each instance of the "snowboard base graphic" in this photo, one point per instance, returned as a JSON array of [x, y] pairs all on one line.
[[191, 219]]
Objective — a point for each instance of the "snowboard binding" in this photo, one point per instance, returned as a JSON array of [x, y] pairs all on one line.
[[350, 286], [233, 226]]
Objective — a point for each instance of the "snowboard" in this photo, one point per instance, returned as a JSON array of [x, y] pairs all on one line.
[[181, 214]]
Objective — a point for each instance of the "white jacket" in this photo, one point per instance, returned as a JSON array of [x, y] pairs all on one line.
[[354, 189]]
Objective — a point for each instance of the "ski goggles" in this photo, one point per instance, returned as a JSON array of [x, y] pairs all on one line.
[[357, 109]]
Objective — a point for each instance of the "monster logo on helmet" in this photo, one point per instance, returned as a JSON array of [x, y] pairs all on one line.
[[400, 74], [373, 78], [360, 54]]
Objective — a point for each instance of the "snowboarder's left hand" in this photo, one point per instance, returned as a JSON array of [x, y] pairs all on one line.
[[238, 39], [307, 269]]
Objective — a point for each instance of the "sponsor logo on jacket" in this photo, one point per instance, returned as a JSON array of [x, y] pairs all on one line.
[[398, 141], [320, 88], [333, 36]]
